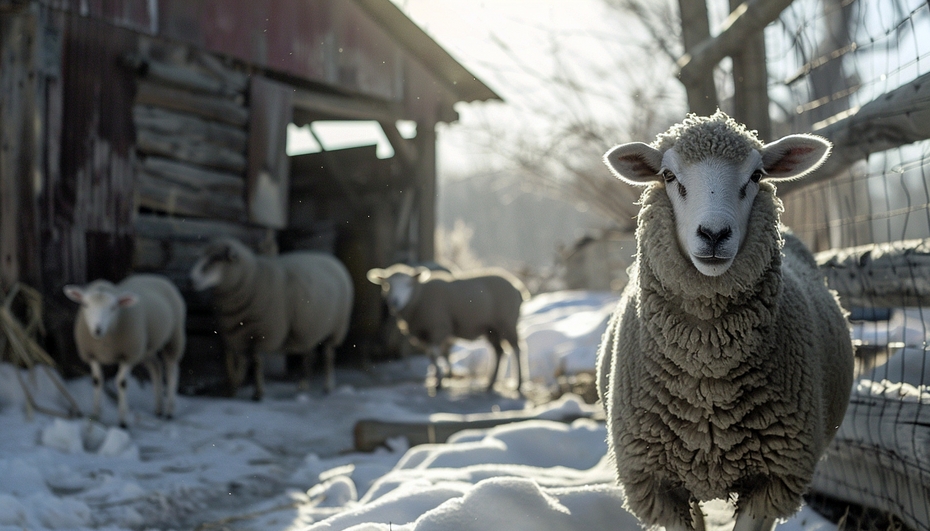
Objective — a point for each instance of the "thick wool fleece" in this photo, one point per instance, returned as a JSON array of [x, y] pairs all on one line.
[[722, 385], [698, 137]]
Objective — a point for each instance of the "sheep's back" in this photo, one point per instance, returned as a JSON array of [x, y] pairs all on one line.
[[474, 304], [319, 293], [830, 356]]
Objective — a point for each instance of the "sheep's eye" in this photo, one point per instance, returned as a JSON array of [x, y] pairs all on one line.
[[756, 176], [668, 176]]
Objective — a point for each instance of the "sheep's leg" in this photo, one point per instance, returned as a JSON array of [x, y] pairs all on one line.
[[495, 341], [329, 352], [154, 367], [171, 391], [518, 361], [434, 352], [259, 376], [747, 522], [237, 365], [97, 375], [121, 374], [697, 515]]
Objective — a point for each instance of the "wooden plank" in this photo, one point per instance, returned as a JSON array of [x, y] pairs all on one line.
[[189, 150], [426, 196], [268, 173], [889, 275], [194, 176], [168, 122], [165, 196], [369, 434], [213, 108]]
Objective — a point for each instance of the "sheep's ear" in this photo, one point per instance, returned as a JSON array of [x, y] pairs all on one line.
[[74, 293], [635, 163], [126, 300], [794, 156], [376, 276]]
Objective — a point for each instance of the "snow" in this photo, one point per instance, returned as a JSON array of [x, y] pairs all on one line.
[[287, 463]]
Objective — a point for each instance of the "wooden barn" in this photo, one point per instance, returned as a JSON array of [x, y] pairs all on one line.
[[135, 130]]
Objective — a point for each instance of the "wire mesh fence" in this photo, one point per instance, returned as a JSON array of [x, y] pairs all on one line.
[[826, 60]]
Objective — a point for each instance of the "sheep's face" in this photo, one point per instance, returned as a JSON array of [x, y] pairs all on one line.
[[397, 287], [99, 308], [712, 197], [211, 268]]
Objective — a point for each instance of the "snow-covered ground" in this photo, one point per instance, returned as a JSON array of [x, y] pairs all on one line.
[[287, 462]]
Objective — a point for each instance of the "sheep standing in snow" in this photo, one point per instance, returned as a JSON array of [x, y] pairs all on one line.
[[727, 365], [434, 307], [292, 303], [139, 320]]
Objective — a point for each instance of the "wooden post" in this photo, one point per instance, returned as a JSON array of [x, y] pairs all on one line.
[[695, 28], [750, 83], [426, 181], [20, 148], [267, 175]]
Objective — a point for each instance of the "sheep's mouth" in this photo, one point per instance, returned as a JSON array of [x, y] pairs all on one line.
[[712, 260]]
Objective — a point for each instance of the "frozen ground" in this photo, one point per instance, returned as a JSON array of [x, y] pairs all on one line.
[[287, 463]]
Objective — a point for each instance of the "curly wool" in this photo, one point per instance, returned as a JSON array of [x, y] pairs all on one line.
[[717, 385], [698, 137]]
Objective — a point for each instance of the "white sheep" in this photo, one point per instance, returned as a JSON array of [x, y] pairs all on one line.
[[727, 365], [435, 307], [291, 303], [139, 320]]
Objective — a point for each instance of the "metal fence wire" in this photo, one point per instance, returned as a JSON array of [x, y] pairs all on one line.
[[826, 60]]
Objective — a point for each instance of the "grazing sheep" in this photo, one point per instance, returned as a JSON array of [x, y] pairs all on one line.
[[291, 303], [433, 308], [727, 366], [139, 320]]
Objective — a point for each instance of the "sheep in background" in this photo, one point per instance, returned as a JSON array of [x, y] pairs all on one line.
[[727, 366], [292, 303], [433, 308], [139, 320]]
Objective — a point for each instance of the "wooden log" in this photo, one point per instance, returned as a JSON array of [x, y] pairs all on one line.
[[889, 275], [239, 81], [695, 29], [174, 199], [896, 118], [749, 19], [189, 150], [179, 76], [194, 176], [168, 122], [213, 108], [195, 230], [155, 255], [369, 434], [879, 455]]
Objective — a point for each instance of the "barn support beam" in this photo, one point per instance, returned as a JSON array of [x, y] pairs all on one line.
[[21, 147]]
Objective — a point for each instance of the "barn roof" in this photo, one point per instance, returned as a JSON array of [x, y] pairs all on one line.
[[461, 82]]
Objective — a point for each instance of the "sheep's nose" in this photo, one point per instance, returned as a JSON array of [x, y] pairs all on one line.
[[98, 331], [714, 238]]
